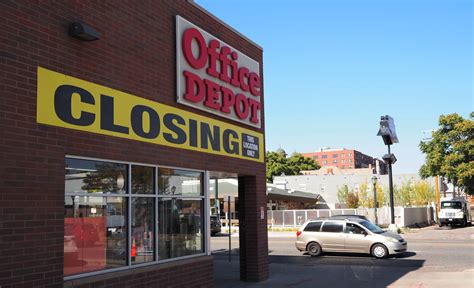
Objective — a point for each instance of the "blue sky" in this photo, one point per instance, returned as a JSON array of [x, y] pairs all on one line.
[[333, 67]]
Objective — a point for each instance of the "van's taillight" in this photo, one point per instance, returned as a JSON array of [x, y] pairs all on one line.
[[298, 233]]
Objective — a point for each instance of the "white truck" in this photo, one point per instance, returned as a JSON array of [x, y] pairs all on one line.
[[454, 211]]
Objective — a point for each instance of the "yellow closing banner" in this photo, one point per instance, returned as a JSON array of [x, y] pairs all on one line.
[[72, 103]]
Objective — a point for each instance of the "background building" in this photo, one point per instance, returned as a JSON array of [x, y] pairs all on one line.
[[346, 159], [278, 198], [327, 185]]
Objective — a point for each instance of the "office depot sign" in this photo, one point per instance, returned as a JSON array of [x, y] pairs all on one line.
[[214, 77]]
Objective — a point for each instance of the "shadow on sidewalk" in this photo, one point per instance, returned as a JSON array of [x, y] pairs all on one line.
[[333, 270]]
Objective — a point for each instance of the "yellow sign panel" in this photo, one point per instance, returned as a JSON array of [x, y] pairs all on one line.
[[72, 103]]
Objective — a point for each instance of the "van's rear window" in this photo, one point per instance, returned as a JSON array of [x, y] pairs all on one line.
[[313, 226]]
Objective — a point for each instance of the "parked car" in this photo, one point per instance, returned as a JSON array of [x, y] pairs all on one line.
[[215, 225], [350, 235], [348, 216]]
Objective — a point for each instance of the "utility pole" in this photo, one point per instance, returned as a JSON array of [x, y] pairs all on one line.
[[390, 185]]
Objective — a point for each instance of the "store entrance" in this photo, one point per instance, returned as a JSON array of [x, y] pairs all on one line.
[[223, 199], [239, 202]]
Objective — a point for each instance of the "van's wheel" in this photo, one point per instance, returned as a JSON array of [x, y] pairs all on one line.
[[379, 251], [464, 222], [314, 249]]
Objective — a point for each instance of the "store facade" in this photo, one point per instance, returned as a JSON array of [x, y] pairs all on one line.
[[108, 145]]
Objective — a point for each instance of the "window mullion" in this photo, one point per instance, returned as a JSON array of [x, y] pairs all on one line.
[[129, 230], [206, 218], [156, 215]]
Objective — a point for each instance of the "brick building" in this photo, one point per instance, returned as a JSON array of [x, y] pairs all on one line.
[[346, 159], [107, 146]]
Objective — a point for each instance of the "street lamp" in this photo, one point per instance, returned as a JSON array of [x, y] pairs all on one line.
[[374, 183]]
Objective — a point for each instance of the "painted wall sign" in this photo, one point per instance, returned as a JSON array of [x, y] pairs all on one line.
[[214, 77], [72, 103]]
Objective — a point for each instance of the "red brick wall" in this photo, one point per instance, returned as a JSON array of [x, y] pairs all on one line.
[[253, 240], [197, 273], [330, 158], [135, 54]]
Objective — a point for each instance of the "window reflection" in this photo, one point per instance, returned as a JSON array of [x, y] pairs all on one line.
[[96, 218], [180, 227], [143, 228], [143, 180], [179, 182], [88, 176], [95, 233]]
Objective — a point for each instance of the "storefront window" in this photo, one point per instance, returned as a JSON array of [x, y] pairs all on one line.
[[143, 215], [143, 228], [179, 182], [180, 213], [97, 219], [143, 180], [180, 227], [95, 177], [95, 233]]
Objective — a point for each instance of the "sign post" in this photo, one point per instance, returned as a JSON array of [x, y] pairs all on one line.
[[389, 136]]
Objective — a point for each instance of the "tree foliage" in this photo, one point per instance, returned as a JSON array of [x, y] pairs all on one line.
[[411, 193], [104, 178], [278, 163], [365, 195], [364, 198], [342, 193], [450, 153], [352, 200]]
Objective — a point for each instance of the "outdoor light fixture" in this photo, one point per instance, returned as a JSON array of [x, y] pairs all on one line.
[[83, 32], [387, 130], [389, 136], [389, 158]]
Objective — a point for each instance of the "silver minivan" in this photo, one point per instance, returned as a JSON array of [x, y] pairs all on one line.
[[350, 235]]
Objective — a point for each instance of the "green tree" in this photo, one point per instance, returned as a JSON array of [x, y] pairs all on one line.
[[298, 163], [278, 164], [412, 193], [364, 198], [450, 153], [424, 193], [342, 193], [403, 195]]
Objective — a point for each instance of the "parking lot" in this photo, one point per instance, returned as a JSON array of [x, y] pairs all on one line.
[[436, 257]]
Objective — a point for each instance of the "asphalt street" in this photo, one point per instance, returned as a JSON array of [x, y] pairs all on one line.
[[436, 257]]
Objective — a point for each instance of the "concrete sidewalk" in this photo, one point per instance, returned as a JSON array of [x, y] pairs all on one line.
[[438, 257], [354, 275], [313, 275]]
